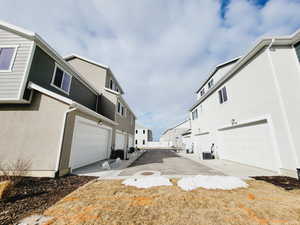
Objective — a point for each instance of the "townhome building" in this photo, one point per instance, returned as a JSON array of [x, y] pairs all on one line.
[[50, 113], [175, 136], [113, 105], [248, 109], [143, 136]]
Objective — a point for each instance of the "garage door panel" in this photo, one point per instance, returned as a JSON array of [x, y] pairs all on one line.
[[202, 143], [90, 143], [250, 145]]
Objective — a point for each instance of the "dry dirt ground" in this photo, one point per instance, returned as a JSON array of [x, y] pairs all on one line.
[[33, 195], [110, 202]]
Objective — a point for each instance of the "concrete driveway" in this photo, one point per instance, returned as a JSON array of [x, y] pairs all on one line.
[[167, 162]]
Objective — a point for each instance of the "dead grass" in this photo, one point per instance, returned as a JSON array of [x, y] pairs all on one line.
[[109, 202]]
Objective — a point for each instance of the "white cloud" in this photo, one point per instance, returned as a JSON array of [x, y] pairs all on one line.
[[159, 50]]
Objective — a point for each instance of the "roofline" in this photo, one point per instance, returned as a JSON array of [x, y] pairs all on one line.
[[71, 103], [262, 43], [212, 73], [45, 46], [175, 126], [73, 55]]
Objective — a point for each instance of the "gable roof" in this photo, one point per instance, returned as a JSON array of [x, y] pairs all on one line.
[[74, 56], [47, 48], [261, 44], [212, 73]]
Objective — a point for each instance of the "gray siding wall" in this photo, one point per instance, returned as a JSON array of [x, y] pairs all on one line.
[[41, 73], [10, 82]]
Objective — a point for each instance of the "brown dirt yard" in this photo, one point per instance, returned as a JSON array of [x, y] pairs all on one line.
[[110, 202]]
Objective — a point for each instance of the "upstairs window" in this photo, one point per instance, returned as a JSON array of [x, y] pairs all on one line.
[[195, 114], [143, 131], [136, 131], [211, 83], [202, 92], [7, 55], [144, 142], [61, 80], [111, 84], [223, 95]]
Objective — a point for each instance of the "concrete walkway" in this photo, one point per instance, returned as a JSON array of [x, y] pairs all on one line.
[[167, 162], [230, 168]]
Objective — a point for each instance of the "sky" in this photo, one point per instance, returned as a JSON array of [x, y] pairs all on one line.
[[160, 51]]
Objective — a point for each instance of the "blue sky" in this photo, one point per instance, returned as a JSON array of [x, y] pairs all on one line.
[[160, 51]]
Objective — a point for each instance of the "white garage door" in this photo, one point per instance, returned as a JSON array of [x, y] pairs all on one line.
[[120, 141], [90, 143], [202, 143], [130, 141], [250, 145]]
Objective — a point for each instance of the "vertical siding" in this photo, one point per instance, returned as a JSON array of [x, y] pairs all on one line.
[[10, 82]]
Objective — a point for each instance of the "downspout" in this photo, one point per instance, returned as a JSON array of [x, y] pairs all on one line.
[[62, 138]]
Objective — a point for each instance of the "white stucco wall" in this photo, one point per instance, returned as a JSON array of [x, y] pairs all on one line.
[[256, 91]]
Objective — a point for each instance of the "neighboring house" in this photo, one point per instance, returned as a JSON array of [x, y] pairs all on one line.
[[174, 135], [112, 104], [251, 109], [50, 113], [143, 135]]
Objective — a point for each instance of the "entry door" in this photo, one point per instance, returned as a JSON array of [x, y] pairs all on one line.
[[120, 141]]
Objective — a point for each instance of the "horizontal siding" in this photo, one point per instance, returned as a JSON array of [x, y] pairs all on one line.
[[10, 82]]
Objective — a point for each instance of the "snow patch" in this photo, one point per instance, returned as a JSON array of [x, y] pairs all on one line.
[[147, 182], [211, 182]]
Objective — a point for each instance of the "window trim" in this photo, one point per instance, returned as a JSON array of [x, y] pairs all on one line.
[[13, 58], [53, 77], [124, 109]]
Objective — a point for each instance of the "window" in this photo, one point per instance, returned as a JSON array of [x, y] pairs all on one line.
[[211, 83], [297, 48], [144, 142], [223, 95], [119, 107], [122, 110], [111, 84], [195, 114], [61, 80], [7, 55], [143, 131], [136, 142], [136, 131], [202, 92]]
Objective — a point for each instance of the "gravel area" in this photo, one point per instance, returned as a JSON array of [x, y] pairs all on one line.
[[288, 183], [34, 195]]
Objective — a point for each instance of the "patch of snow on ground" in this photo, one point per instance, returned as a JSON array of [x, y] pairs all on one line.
[[147, 182], [211, 182]]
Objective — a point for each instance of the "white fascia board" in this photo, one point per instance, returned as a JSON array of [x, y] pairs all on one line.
[[92, 113], [112, 91], [284, 40], [38, 88], [215, 69], [73, 55], [16, 29], [70, 102], [52, 52], [46, 47]]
